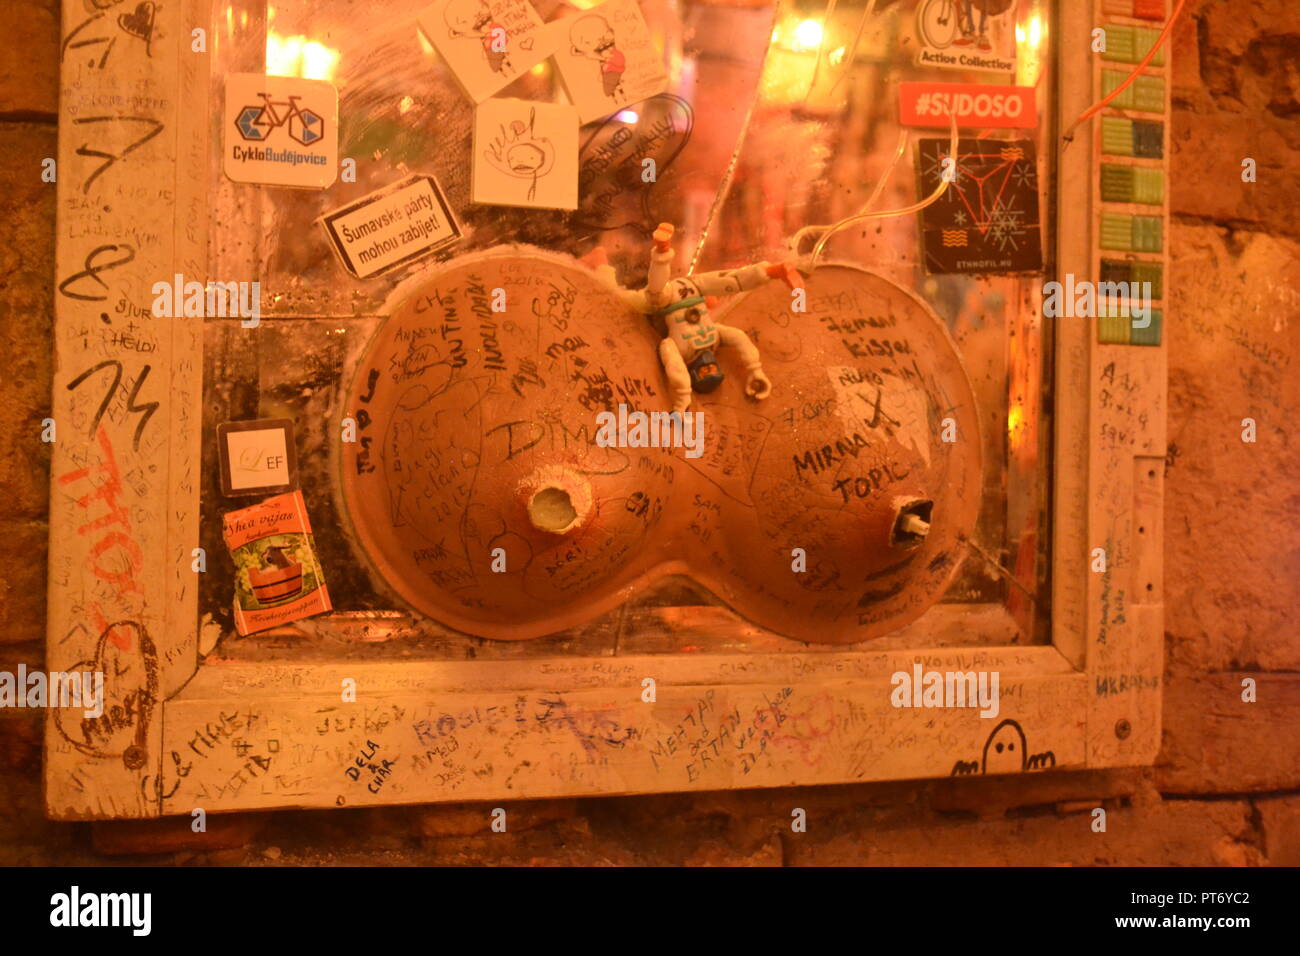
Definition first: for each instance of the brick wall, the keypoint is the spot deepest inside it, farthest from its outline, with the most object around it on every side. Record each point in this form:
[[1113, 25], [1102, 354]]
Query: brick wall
[[1226, 788]]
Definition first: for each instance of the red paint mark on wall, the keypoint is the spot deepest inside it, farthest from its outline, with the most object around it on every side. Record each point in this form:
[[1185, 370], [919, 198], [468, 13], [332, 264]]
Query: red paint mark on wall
[[807, 731], [115, 556]]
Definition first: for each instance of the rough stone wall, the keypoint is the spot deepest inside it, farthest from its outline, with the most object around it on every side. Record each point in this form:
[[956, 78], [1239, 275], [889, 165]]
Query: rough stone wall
[[1226, 788]]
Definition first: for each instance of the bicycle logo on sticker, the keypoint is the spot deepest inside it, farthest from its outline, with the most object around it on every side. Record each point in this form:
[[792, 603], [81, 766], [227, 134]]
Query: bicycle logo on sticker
[[255, 123]]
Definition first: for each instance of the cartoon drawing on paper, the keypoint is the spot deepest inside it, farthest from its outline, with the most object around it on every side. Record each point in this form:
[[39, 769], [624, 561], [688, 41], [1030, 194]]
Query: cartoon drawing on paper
[[520, 152], [486, 44], [606, 57], [472, 19], [526, 154], [592, 37]]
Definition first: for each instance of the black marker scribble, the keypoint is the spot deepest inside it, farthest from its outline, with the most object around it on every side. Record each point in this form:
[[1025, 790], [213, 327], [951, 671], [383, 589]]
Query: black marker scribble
[[139, 24], [518, 151], [111, 158], [131, 681], [69, 45], [148, 408], [93, 270]]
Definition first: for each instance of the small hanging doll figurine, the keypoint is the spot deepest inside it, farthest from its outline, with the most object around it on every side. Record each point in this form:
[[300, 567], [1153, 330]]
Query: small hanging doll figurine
[[680, 308]]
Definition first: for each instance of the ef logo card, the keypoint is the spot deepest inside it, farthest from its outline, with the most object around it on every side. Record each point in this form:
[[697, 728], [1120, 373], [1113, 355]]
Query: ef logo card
[[280, 131], [257, 457]]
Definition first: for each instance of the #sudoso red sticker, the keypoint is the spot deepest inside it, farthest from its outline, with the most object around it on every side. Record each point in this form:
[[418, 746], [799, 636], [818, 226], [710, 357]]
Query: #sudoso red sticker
[[975, 105]]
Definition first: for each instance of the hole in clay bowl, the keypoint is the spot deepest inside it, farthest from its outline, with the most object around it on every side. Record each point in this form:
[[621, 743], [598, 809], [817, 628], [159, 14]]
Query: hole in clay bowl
[[551, 510], [912, 524]]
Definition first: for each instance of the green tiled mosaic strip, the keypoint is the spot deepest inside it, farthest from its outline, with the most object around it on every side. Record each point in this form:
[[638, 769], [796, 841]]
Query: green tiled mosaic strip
[[1135, 270], [1130, 44], [1146, 93], [1132, 184], [1127, 233], [1115, 329], [1141, 9], [1125, 137]]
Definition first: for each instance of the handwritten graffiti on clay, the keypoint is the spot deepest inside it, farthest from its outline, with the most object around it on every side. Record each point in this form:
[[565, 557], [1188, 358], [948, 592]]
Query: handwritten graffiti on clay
[[478, 488], [1005, 751]]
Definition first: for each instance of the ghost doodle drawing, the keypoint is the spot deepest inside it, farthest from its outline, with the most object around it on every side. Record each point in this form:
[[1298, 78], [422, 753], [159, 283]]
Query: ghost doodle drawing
[[1005, 752], [592, 37]]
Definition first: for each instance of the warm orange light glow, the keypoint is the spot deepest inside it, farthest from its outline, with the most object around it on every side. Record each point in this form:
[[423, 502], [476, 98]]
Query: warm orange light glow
[[1030, 37], [298, 56], [807, 35], [1031, 34], [787, 76], [318, 61], [283, 55], [425, 45], [1015, 419]]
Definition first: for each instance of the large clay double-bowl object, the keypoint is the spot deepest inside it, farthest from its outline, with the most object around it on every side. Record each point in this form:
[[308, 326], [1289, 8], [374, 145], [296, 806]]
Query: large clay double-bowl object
[[833, 511]]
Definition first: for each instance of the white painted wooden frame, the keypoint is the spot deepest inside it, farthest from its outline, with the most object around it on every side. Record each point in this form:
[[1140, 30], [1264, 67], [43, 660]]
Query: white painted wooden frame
[[180, 734]]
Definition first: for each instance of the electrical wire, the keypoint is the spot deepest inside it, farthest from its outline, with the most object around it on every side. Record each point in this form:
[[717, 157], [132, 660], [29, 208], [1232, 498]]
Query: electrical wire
[[797, 239], [1097, 107], [821, 47], [853, 50], [884, 213], [997, 566]]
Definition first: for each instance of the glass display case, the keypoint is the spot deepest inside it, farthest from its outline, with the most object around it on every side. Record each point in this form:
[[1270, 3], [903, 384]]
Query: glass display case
[[774, 120], [892, 195]]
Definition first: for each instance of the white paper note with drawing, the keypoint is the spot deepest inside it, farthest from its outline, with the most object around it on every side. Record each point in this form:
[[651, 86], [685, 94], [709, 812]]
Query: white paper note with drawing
[[526, 154], [487, 44], [606, 58]]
